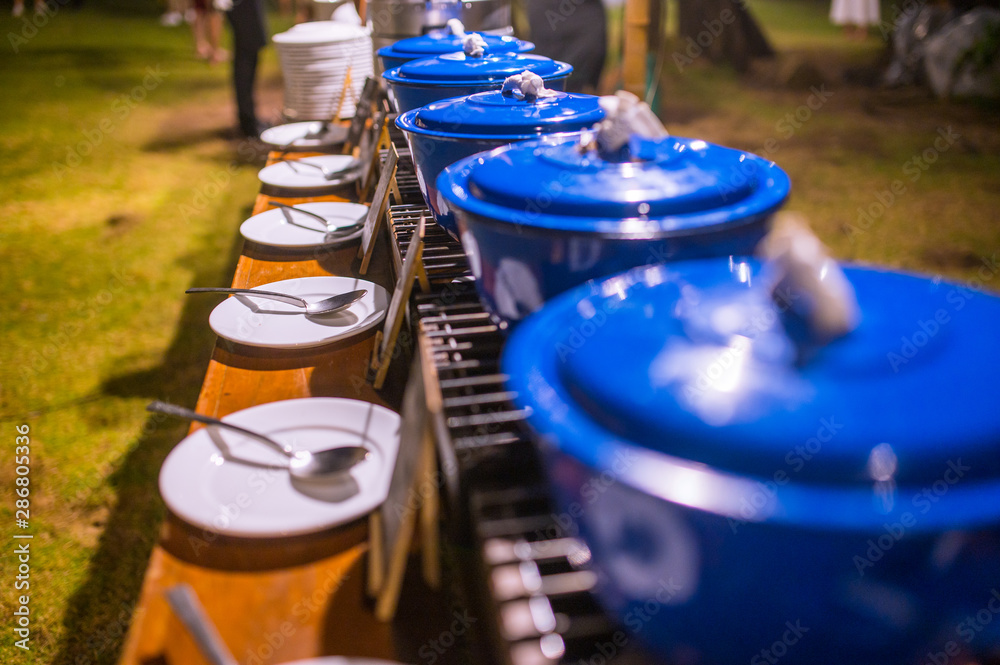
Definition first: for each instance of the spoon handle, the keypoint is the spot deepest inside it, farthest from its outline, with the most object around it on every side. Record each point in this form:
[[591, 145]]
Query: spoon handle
[[267, 295], [295, 163], [189, 610], [180, 412], [285, 206]]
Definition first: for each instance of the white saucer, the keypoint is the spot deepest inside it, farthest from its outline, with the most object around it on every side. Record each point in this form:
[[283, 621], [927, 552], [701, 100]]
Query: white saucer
[[342, 660], [305, 177], [293, 133], [223, 482], [271, 228], [275, 325], [334, 33]]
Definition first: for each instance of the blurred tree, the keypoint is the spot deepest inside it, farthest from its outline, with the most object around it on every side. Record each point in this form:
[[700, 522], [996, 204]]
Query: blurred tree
[[722, 31]]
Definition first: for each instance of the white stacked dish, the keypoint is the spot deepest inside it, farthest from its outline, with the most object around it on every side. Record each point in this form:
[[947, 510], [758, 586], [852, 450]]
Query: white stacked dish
[[314, 60]]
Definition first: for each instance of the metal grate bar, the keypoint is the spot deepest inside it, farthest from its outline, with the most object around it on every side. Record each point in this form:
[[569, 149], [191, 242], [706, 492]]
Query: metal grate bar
[[484, 380], [537, 575]]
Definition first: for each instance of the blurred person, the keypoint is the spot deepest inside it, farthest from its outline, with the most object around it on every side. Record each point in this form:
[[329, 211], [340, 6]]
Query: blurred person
[[207, 29], [575, 32], [18, 10], [855, 16], [247, 20], [174, 15]]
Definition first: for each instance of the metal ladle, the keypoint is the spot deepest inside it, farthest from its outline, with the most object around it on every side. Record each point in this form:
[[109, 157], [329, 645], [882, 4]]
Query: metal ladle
[[325, 306], [302, 464]]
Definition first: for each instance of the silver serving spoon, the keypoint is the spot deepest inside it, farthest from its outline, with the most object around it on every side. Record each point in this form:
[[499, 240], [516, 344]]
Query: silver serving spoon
[[335, 232], [186, 606], [301, 463], [325, 306], [325, 127], [294, 165]]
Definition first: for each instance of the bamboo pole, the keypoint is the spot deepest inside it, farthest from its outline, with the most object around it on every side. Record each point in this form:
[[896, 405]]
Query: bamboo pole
[[636, 45]]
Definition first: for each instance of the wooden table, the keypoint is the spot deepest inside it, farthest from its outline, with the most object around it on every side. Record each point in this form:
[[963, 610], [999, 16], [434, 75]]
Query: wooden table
[[281, 599]]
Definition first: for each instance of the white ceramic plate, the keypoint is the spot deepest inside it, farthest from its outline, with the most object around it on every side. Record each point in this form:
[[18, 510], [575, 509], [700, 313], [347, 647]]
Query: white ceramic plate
[[342, 660], [293, 111], [303, 76], [283, 135], [333, 34], [275, 325], [300, 176], [223, 482], [271, 228], [346, 49]]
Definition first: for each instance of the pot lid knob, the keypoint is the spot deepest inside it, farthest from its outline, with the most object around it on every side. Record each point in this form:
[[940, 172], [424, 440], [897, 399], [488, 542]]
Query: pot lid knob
[[474, 45], [817, 303], [526, 85], [628, 124], [456, 27]]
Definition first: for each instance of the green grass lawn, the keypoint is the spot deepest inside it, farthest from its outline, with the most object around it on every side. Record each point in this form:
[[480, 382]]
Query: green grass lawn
[[108, 125], [845, 144], [120, 192]]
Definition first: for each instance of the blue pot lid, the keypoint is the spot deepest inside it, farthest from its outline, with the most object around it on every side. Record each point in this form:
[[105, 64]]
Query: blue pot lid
[[677, 185], [496, 115], [439, 43], [460, 69], [690, 360]]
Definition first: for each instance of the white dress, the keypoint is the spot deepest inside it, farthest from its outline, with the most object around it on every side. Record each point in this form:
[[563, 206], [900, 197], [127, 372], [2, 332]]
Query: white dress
[[855, 12]]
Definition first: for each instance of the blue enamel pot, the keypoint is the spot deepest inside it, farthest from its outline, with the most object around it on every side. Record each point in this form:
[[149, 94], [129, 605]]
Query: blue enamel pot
[[441, 42], [444, 132], [743, 507], [421, 82], [539, 217]]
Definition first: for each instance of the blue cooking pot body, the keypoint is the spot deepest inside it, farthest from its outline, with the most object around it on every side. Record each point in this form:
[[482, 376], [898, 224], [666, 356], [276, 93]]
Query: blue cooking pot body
[[524, 249], [740, 507], [421, 82], [518, 269], [439, 43], [444, 132], [714, 590], [431, 155]]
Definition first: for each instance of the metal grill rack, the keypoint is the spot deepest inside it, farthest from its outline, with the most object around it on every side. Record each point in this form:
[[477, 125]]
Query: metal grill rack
[[444, 260], [533, 577]]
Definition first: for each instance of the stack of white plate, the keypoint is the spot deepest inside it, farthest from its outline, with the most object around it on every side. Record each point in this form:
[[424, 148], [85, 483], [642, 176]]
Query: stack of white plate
[[314, 59]]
